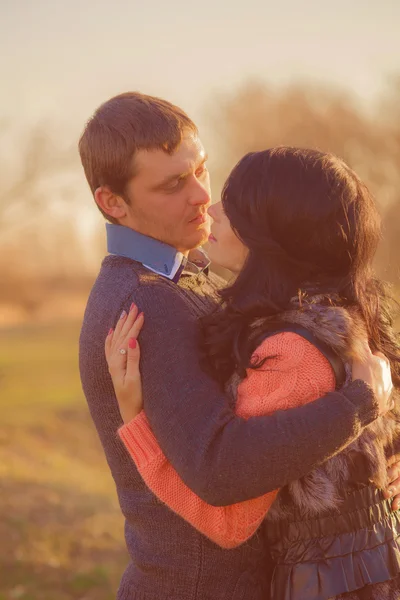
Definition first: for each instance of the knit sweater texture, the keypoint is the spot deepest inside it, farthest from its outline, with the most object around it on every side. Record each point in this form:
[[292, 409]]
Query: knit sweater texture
[[219, 455], [297, 374]]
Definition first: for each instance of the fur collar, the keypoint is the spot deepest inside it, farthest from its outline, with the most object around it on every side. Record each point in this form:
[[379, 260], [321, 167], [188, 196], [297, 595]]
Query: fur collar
[[340, 328], [364, 460]]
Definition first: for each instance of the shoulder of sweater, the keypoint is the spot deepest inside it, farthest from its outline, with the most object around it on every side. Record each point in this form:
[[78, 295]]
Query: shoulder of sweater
[[131, 274], [144, 277], [153, 293]]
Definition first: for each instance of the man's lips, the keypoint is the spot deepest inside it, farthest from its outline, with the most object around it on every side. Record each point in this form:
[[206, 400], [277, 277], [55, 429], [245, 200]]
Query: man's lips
[[199, 220]]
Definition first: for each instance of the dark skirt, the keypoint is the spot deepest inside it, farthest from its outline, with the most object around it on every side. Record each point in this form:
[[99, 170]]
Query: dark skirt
[[390, 590], [347, 554]]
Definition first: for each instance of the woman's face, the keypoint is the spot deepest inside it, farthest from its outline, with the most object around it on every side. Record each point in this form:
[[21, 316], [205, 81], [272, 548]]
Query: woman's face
[[225, 248]]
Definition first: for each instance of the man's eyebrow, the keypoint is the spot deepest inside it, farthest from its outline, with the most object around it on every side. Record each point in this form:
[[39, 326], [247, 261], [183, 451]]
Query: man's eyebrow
[[170, 178], [181, 175]]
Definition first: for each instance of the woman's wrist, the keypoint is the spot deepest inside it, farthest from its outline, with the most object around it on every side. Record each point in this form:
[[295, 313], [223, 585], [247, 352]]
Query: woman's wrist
[[139, 440], [128, 412]]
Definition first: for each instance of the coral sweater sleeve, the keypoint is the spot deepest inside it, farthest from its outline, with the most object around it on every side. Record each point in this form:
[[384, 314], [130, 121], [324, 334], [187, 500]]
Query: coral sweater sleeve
[[296, 373]]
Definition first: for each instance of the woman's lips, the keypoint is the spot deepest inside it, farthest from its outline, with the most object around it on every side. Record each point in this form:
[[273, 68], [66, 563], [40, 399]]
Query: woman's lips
[[211, 238]]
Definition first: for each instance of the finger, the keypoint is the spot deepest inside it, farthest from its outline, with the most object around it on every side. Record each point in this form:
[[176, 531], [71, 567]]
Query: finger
[[118, 328], [117, 364], [393, 472], [107, 344], [393, 488], [133, 332], [136, 327], [121, 339], [129, 321], [132, 368], [396, 502]]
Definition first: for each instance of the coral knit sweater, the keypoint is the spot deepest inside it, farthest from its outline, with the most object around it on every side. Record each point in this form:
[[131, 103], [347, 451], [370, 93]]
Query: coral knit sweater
[[297, 374]]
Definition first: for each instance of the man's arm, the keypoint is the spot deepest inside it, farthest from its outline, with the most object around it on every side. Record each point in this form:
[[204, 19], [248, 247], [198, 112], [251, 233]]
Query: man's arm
[[221, 457], [261, 393]]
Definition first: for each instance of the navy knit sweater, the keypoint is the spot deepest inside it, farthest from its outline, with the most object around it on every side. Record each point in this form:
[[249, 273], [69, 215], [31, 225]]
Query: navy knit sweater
[[221, 457]]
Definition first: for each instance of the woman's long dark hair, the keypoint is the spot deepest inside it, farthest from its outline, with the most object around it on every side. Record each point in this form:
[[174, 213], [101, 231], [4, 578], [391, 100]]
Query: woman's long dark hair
[[310, 225]]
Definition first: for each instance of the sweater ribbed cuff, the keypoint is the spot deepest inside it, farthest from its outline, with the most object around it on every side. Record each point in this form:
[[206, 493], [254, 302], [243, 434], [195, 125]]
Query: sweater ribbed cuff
[[139, 440], [361, 395]]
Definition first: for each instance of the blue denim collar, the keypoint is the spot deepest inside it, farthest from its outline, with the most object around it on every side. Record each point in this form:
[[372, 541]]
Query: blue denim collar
[[153, 254]]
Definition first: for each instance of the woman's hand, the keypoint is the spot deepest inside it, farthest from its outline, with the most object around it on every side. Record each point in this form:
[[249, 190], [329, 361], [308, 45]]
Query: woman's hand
[[394, 481], [374, 369], [123, 354]]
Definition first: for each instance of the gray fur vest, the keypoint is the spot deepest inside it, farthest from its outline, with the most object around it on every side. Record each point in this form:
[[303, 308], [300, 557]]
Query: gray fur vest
[[331, 533], [363, 461]]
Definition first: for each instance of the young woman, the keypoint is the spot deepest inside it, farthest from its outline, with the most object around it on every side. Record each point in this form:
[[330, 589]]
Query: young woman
[[300, 231]]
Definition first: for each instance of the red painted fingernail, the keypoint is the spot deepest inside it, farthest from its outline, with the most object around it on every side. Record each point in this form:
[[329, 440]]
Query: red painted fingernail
[[132, 306], [132, 343], [140, 315], [111, 330]]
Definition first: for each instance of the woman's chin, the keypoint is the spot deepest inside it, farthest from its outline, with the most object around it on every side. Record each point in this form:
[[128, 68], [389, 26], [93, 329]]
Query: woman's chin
[[215, 256], [212, 252]]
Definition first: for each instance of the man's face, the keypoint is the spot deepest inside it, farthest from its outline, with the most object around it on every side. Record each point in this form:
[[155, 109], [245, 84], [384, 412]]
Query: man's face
[[169, 195]]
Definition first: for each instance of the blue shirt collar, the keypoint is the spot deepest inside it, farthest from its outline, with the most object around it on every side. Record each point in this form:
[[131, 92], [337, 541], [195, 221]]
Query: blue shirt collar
[[153, 254]]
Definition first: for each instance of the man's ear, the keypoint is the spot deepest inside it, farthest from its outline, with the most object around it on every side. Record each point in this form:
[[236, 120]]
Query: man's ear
[[110, 203]]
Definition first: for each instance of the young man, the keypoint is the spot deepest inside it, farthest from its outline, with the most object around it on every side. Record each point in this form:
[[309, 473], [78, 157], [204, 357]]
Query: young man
[[146, 167]]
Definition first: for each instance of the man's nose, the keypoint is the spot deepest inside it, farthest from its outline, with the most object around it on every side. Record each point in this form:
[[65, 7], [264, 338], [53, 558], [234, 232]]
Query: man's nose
[[200, 194]]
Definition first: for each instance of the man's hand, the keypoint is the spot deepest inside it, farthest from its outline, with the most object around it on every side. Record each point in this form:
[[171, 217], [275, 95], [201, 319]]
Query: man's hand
[[393, 490], [374, 369]]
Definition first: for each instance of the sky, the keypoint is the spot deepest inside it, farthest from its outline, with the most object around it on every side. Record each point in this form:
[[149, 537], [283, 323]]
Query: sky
[[60, 59]]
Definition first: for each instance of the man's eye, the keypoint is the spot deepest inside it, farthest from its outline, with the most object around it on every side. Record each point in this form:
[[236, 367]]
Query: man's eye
[[174, 186]]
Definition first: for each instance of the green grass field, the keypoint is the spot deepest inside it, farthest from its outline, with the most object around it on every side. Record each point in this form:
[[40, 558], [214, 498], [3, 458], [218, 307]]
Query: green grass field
[[60, 525], [61, 530]]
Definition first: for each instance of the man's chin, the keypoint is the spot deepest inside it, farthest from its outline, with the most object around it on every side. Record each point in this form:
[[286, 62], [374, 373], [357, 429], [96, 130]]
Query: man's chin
[[198, 239]]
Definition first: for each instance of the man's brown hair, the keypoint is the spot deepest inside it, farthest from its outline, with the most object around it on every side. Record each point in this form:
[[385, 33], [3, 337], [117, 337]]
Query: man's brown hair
[[122, 126]]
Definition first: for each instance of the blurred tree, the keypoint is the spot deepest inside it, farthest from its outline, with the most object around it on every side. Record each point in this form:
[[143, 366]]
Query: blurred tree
[[38, 158], [39, 241], [255, 117]]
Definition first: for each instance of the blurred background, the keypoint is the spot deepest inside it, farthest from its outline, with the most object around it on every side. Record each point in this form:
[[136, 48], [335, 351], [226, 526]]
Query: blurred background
[[252, 75]]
